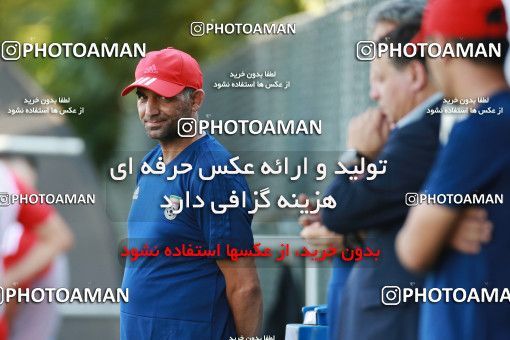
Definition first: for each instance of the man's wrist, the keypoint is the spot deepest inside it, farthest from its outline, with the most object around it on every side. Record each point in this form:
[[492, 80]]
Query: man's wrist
[[353, 156]]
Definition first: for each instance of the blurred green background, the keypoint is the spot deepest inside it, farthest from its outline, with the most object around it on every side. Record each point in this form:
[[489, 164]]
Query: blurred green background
[[95, 83]]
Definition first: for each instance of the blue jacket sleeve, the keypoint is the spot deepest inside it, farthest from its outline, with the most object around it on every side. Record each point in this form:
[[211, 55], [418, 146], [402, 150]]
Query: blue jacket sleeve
[[380, 203]]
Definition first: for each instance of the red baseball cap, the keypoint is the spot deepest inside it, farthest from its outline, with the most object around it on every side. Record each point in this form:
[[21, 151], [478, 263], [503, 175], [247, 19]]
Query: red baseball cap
[[466, 19], [166, 72]]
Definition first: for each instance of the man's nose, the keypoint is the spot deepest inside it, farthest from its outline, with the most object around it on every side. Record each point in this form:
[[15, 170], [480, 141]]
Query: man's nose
[[374, 93], [152, 107]]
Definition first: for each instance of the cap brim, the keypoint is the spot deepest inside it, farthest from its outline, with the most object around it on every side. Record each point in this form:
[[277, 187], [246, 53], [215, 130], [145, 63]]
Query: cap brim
[[160, 87]]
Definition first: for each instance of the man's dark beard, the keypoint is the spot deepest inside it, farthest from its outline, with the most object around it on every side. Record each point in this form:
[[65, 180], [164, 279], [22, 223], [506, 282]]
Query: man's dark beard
[[170, 132]]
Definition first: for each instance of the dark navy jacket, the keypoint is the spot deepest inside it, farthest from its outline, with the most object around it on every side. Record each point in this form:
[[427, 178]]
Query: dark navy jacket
[[378, 208]]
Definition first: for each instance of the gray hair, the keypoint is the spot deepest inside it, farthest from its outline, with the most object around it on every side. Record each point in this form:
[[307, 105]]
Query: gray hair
[[186, 93], [395, 11]]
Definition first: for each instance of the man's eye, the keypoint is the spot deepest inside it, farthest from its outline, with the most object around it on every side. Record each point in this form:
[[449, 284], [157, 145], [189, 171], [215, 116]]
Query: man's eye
[[166, 99], [141, 96]]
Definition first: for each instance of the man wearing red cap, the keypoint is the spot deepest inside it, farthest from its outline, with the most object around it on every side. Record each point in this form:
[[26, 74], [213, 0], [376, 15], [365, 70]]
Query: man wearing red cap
[[475, 161], [185, 297]]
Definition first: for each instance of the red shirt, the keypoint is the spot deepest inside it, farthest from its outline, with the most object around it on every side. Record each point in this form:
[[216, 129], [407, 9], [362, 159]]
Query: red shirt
[[30, 216]]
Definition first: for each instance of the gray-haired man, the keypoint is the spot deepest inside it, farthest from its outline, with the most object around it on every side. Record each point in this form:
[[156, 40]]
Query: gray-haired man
[[397, 131]]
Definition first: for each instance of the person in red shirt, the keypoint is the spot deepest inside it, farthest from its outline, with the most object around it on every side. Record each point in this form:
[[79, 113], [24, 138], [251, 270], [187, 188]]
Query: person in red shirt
[[8, 218], [32, 252]]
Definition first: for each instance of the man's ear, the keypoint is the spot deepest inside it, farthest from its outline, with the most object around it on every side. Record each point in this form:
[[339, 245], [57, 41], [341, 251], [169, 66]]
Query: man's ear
[[419, 75], [197, 99]]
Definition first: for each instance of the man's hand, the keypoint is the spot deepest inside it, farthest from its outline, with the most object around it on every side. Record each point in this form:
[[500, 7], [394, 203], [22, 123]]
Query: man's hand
[[314, 232], [473, 229], [319, 237], [368, 132], [308, 219]]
